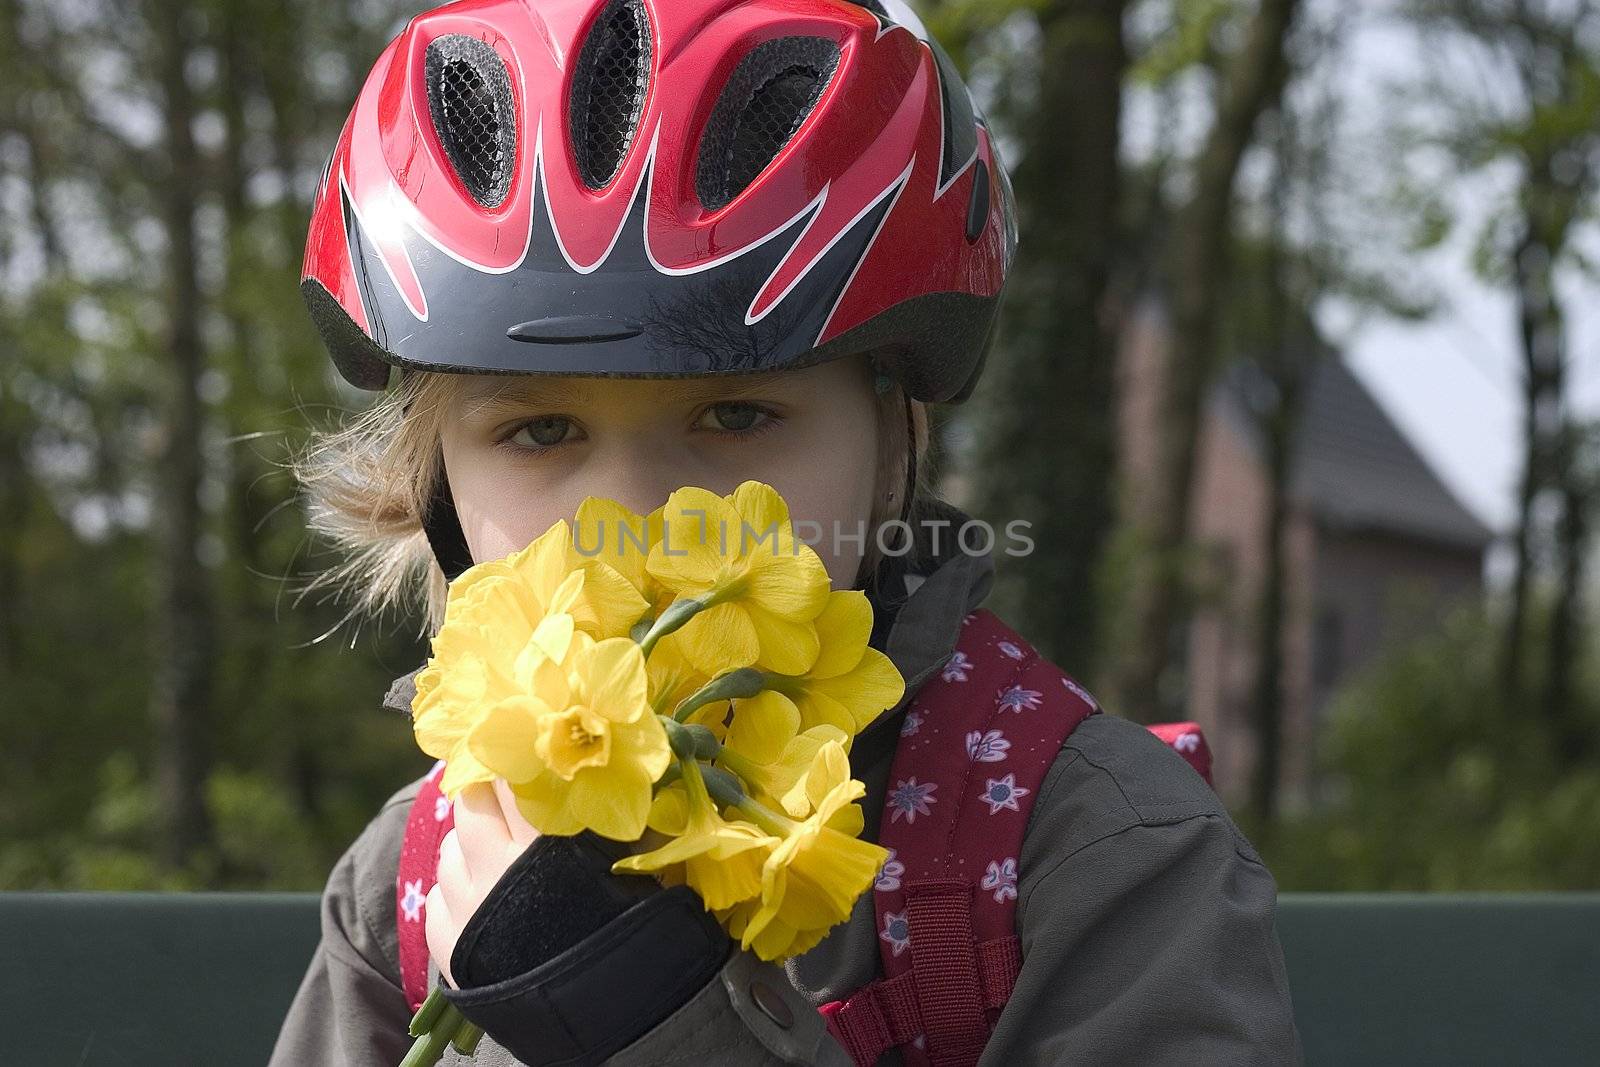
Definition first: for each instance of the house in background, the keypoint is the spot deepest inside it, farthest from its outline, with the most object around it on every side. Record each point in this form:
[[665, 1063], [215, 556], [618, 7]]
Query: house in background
[[1377, 549]]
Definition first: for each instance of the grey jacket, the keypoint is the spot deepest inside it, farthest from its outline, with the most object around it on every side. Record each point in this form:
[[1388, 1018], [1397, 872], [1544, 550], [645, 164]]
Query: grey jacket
[[1145, 916]]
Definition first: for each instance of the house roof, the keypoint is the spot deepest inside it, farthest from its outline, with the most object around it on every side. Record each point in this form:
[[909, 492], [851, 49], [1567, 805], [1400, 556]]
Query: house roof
[[1352, 466]]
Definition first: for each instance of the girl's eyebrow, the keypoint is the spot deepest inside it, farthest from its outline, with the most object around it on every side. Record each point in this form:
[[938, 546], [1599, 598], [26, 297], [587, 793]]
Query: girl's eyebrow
[[530, 393]]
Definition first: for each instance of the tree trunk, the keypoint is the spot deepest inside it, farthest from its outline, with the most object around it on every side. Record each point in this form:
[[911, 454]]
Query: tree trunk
[[184, 631], [1200, 237], [1285, 368], [1566, 623], [1047, 431]]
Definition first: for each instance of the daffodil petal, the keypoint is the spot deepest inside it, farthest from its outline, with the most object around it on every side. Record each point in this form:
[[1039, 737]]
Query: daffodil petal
[[794, 587], [820, 709], [614, 802], [719, 638], [728, 877], [763, 725], [503, 740], [874, 686], [787, 647], [844, 628], [462, 771], [669, 811], [610, 604], [696, 527], [760, 505], [616, 684]]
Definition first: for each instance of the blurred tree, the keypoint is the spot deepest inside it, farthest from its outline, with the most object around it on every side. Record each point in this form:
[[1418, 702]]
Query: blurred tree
[[1535, 106], [145, 414], [1249, 83], [1045, 410], [184, 649]]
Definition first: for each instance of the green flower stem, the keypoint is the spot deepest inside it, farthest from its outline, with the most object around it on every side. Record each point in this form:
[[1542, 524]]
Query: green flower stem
[[436, 1024], [744, 682], [429, 1048], [694, 783], [429, 1013], [765, 818], [467, 1038], [670, 775], [745, 768], [726, 789], [677, 613], [679, 737]]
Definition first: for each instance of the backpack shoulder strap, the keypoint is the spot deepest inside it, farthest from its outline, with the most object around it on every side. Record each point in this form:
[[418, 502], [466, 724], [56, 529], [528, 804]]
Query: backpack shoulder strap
[[975, 747], [430, 819], [1186, 740]]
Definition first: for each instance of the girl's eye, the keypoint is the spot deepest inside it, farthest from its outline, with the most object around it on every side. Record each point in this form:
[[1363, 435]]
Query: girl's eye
[[544, 432], [734, 417]]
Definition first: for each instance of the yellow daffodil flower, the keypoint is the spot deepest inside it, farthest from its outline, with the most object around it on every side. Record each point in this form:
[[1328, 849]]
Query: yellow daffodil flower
[[739, 556], [848, 686], [581, 748], [720, 860], [783, 781], [813, 876], [606, 532], [673, 678]]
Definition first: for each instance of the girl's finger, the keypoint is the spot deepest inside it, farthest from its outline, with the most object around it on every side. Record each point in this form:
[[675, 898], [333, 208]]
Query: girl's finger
[[440, 931], [522, 832], [455, 883], [483, 831]]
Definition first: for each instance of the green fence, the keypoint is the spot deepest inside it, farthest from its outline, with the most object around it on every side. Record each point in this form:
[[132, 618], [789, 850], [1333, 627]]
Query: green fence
[[107, 980]]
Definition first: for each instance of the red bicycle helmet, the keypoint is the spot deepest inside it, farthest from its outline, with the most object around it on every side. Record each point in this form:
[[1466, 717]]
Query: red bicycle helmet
[[653, 188]]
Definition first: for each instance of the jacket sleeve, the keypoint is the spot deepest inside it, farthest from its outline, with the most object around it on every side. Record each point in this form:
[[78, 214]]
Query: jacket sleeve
[[748, 1015], [350, 1010], [1146, 920]]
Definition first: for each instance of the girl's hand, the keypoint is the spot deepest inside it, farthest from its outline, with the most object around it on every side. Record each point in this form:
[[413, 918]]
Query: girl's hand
[[489, 834]]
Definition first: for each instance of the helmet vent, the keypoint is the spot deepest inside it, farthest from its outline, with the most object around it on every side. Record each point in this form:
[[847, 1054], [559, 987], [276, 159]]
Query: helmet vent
[[767, 98], [608, 90], [469, 99]]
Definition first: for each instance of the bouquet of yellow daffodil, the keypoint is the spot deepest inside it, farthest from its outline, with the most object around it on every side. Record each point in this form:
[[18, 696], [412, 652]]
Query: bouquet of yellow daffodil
[[690, 673]]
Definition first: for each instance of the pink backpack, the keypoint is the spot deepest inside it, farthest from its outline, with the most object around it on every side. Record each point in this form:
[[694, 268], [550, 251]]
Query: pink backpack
[[975, 746]]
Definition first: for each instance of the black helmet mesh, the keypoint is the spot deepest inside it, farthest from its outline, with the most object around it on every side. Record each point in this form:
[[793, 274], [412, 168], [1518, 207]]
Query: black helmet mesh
[[767, 97], [469, 99], [608, 90]]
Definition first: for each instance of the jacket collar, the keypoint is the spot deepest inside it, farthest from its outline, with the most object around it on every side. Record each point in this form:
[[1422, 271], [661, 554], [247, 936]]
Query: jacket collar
[[929, 603]]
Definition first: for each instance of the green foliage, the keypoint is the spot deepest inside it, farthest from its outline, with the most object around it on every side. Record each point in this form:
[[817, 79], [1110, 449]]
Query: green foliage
[[1443, 787], [299, 754], [1188, 39]]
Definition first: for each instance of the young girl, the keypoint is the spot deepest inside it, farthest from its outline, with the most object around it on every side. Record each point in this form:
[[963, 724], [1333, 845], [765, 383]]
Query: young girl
[[616, 247]]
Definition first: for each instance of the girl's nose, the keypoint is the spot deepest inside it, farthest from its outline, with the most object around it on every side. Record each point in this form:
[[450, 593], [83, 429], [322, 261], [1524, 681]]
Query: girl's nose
[[640, 473]]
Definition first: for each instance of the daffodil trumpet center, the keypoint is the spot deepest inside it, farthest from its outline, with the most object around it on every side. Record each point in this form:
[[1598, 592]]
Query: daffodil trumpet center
[[744, 682], [573, 739]]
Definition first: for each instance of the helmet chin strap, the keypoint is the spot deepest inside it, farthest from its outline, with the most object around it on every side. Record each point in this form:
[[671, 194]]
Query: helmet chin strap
[[442, 526]]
